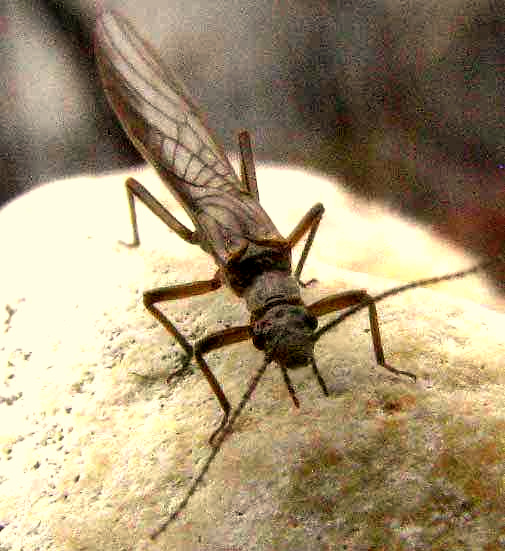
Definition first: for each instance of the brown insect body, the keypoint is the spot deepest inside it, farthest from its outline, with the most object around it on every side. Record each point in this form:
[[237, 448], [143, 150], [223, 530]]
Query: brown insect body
[[253, 258]]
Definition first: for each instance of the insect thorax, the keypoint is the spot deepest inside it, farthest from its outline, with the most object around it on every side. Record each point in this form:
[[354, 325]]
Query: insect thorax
[[271, 287], [259, 273]]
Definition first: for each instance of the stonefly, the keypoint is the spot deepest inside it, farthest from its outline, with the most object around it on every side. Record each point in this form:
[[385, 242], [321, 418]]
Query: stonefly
[[253, 259]]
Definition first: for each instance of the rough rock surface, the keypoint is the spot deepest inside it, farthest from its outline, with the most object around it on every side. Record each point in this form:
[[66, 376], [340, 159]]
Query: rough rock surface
[[96, 449]]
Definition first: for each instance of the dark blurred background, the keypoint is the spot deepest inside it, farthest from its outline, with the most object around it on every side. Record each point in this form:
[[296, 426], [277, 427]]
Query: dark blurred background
[[405, 101]]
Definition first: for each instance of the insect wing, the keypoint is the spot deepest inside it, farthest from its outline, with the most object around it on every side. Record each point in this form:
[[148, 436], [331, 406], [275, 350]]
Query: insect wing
[[157, 112], [163, 123]]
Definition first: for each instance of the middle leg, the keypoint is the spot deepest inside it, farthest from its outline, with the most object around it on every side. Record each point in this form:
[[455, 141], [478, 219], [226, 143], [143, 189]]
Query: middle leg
[[310, 222]]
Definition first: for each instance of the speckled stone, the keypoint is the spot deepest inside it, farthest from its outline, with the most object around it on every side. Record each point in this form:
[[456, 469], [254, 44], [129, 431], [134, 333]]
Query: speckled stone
[[96, 449]]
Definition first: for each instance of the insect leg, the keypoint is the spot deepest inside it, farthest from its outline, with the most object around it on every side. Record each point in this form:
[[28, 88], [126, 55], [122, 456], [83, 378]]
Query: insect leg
[[351, 298], [309, 222], [247, 170], [135, 189], [217, 340], [173, 292]]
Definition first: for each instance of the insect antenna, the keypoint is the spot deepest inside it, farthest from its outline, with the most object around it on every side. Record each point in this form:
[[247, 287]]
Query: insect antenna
[[397, 290], [215, 450]]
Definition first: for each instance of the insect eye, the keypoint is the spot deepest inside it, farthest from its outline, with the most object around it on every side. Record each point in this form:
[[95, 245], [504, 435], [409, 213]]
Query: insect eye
[[260, 330], [261, 326], [311, 321], [280, 312], [299, 312], [307, 319]]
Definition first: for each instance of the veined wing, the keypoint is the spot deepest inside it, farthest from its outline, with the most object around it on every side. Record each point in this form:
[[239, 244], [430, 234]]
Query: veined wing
[[156, 111], [163, 123]]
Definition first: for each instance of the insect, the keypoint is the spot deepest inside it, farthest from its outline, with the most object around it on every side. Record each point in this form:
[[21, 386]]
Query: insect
[[253, 259], [255, 380]]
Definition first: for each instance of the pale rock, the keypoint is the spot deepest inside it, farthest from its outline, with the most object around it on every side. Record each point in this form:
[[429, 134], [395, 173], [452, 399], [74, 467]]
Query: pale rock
[[97, 450]]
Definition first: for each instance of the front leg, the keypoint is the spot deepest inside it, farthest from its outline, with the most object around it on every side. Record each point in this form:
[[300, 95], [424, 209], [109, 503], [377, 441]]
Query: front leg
[[172, 292], [347, 299], [217, 340]]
